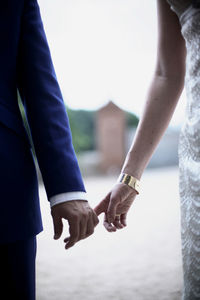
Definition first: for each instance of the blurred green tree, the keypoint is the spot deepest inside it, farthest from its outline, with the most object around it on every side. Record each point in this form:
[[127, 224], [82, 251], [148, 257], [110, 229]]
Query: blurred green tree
[[131, 120], [82, 123]]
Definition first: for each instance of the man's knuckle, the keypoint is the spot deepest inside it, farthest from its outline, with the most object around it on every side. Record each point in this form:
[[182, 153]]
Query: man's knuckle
[[84, 215], [75, 217]]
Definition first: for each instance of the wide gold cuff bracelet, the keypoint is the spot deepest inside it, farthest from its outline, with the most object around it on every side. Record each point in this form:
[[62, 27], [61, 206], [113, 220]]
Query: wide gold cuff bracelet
[[131, 181]]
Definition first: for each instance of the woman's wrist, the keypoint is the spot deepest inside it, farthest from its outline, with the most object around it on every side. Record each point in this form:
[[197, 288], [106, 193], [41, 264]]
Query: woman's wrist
[[131, 167], [131, 181]]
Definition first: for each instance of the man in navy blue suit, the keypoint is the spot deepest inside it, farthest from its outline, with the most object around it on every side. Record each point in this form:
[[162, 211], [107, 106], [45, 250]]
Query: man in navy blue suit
[[26, 66]]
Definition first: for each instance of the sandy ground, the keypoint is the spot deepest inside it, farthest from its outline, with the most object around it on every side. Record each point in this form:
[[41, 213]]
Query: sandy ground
[[141, 262]]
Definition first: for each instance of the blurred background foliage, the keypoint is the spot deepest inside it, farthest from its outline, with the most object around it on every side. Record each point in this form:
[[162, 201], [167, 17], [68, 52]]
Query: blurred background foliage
[[82, 123]]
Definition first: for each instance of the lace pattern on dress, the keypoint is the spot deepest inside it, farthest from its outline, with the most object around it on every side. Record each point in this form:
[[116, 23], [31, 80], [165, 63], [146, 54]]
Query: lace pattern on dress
[[189, 158]]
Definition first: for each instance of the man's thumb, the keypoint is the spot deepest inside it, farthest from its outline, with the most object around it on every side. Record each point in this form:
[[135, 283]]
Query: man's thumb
[[58, 227]]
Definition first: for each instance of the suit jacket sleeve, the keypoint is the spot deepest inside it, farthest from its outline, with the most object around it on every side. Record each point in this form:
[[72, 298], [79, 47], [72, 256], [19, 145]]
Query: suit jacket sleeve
[[44, 107]]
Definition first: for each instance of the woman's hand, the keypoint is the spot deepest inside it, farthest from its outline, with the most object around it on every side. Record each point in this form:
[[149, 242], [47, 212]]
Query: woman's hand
[[115, 206]]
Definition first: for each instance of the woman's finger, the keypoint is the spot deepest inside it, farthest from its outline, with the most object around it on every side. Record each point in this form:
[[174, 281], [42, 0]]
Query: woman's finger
[[103, 205], [123, 218], [112, 208], [117, 222], [109, 227]]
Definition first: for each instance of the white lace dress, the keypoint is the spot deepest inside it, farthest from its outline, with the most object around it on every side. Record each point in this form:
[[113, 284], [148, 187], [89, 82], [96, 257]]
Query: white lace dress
[[189, 149]]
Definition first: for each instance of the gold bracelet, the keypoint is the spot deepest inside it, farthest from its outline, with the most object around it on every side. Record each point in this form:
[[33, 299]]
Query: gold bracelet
[[131, 181]]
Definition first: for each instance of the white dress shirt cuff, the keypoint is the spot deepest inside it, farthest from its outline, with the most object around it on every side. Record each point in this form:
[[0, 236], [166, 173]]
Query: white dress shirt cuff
[[69, 196]]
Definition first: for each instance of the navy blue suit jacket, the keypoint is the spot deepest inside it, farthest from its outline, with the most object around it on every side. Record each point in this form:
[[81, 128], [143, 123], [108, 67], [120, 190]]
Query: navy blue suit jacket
[[26, 66]]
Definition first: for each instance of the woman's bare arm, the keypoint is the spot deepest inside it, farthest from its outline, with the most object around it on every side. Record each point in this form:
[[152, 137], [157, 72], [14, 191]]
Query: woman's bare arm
[[163, 93], [161, 100]]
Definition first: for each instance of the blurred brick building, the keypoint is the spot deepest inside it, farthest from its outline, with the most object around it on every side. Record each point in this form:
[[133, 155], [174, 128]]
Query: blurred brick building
[[111, 128], [113, 140]]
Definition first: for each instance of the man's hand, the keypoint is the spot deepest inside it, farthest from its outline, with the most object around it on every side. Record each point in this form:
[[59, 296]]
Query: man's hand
[[115, 206], [80, 216]]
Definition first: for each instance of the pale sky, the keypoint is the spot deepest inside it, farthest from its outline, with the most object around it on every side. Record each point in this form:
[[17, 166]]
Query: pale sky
[[103, 50]]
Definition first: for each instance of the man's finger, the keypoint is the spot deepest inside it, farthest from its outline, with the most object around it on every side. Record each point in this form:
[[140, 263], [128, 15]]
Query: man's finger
[[90, 226], [58, 226], [74, 230], [69, 244], [83, 229], [95, 219]]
